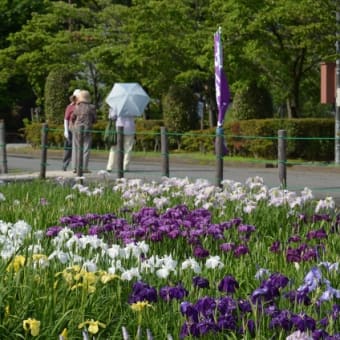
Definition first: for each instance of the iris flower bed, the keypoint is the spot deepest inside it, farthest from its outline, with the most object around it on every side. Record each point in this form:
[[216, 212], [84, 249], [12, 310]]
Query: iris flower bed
[[173, 259]]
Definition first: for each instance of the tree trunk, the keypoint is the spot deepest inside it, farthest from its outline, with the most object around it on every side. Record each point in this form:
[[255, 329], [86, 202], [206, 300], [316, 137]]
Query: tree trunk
[[291, 108]]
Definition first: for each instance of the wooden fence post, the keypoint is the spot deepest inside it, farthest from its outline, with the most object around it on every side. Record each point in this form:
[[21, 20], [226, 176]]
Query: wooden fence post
[[44, 132], [282, 134], [3, 155], [120, 150], [219, 157], [165, 152], [80, 152]]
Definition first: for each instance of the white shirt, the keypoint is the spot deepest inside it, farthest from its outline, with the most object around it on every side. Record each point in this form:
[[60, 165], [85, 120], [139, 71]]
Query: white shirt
[[128, 123]]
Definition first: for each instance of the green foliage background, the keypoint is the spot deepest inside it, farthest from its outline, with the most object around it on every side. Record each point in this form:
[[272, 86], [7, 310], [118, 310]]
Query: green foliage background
[[276, 45]]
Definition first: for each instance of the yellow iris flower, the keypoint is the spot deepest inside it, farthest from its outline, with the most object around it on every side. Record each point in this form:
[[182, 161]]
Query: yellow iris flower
[[93, 326], [32, 325]]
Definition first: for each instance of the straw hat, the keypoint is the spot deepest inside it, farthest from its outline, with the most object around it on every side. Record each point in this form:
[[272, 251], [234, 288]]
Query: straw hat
[[84, 96]]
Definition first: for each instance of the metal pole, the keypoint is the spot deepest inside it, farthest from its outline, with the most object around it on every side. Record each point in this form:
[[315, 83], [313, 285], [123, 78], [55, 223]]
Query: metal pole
[[337, 104], [165, 152], [282, 158], [3, 155], [44, 131], [219, 157]]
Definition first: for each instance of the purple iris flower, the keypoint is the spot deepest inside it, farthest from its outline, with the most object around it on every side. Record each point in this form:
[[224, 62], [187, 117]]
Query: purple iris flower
[[303, 322], [200, 282], [318, 234], [95, 230], [321, 217], [295, 238], [204, 327], [324, 322], [260, 294], [200, 252], [275, 247], [226, 225], [240, 250], [189, 311], [227, 322], [282, 321], [251, 327], [236, 221], [53, 231], [335, 311], [228, 284], [244, 306], [141, 291], [168, 293], [293, 255], [320, 334], [185, 330], [269, 288], [272, 311], [226, 247], [206, 306], [156, 236], [278, 280], [215, 231], [246, 228], [226, 305], [310, 254], [300, 297]]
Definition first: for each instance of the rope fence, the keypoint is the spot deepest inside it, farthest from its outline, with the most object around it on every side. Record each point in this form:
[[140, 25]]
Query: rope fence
[[161, 139]]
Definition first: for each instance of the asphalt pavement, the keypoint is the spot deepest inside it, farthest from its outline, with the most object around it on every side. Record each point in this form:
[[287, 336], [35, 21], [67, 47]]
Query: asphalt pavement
[[322, 180]]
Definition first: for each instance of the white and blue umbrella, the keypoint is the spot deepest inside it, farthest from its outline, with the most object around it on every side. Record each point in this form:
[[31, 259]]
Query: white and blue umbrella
[[128, 99]]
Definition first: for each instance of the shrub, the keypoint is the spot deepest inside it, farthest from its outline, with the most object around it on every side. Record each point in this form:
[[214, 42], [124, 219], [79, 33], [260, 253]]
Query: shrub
[[179, 110], [252, 102]]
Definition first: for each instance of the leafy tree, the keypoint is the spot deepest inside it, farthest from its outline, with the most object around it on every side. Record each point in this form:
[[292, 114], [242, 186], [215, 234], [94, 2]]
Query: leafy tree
[[283, 40]]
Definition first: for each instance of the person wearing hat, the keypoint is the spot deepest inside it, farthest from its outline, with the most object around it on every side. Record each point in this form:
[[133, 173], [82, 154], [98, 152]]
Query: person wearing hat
[[83, 116], [67, 131]]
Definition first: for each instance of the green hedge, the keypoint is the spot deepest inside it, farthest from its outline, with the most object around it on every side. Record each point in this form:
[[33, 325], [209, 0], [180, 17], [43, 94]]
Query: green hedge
[[306, 138]]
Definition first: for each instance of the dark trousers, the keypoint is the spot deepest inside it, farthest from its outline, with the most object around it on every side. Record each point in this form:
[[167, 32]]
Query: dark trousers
[[67, 151]]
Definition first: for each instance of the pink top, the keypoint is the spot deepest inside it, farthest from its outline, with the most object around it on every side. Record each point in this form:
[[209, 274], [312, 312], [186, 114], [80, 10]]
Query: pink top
[[69, 110]]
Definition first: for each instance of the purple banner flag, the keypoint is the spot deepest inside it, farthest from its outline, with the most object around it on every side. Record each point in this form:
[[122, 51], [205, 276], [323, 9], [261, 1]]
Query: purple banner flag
[[221, 83]]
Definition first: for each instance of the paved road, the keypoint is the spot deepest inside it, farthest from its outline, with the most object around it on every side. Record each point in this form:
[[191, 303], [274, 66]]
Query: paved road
[[323, 181]]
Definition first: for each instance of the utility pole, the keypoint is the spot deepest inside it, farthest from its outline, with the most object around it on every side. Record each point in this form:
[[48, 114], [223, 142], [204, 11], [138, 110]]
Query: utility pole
[[337, 99]]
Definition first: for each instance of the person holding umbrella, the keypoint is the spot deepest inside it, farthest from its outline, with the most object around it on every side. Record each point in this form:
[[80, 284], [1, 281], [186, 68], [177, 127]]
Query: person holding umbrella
[[129, 126], [127, 101]]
